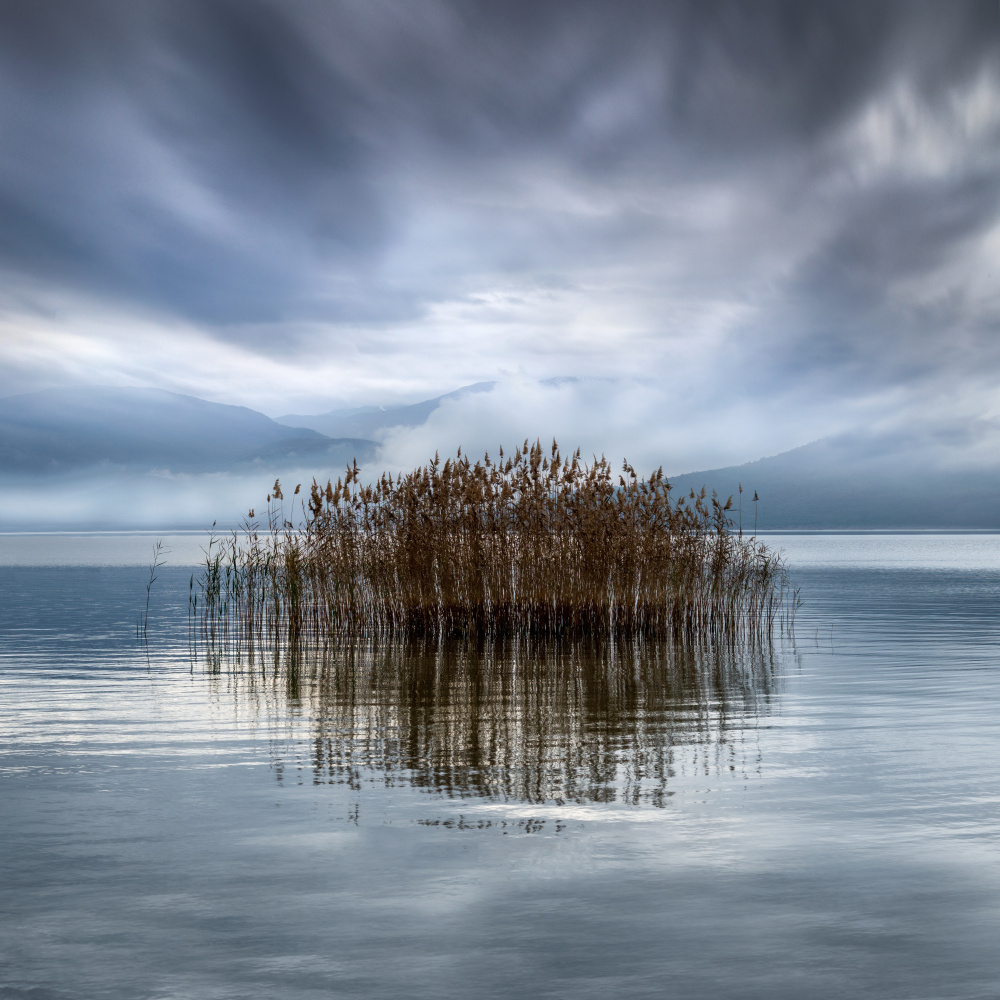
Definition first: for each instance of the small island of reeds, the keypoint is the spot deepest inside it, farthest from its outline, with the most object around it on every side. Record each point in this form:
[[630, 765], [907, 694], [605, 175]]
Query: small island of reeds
[[528, 544]]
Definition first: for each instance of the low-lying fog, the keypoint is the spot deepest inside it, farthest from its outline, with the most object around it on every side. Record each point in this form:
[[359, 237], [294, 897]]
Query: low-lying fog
[[114, 459]]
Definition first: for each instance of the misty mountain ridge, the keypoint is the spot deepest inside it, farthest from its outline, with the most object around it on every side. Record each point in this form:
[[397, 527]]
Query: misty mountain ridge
[[161, 449], [903, 479], [64, 430], [370, 421]]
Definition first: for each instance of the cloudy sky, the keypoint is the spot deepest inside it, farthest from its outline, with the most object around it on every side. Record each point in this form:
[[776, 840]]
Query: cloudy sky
[[744, 224]]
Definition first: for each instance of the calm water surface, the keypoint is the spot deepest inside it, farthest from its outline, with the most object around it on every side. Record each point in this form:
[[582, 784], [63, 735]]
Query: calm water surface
[[819, 821]]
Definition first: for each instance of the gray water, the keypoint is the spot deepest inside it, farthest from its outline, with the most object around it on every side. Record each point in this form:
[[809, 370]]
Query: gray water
[[818, 820]]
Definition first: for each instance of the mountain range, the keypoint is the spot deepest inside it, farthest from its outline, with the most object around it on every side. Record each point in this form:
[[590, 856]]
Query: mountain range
[[66, 430], [142, 454], [858, 481], [370, 421]]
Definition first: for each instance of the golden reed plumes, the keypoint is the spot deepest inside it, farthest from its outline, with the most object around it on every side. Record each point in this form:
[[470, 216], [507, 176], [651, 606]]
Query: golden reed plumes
[[530, 544]]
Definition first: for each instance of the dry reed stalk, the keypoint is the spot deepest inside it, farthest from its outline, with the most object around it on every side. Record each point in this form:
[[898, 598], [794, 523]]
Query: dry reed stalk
[[532, 544]]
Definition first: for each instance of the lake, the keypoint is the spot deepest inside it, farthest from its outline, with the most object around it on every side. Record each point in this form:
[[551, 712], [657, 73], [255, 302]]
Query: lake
[[818, 819]]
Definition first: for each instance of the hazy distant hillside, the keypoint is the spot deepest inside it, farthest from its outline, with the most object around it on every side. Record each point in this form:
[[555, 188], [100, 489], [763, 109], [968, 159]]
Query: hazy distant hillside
[[855, 481], [70, 429], [136, 457], [369, 421]]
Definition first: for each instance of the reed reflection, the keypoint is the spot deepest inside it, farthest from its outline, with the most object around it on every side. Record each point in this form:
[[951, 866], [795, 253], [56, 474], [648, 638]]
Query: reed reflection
[[557, 722]]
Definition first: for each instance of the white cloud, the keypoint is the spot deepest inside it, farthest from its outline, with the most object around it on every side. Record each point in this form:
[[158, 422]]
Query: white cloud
[[898, 133], [649, 423]]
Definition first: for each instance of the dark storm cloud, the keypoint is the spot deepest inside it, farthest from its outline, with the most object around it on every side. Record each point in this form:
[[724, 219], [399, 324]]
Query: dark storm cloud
[[238, 161], [197, 157], [837, 315], [730, 78]]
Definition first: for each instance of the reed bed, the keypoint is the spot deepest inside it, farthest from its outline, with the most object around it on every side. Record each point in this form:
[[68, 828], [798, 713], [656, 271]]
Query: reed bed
[[528, 544]]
